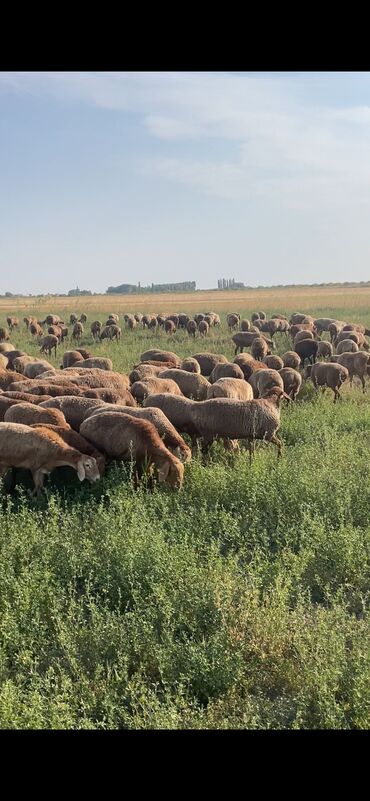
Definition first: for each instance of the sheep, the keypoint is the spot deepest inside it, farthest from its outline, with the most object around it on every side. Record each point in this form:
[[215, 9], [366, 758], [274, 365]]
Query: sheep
[[322, 324], [51, 319], [124, 397], [35, 368], [56, 331], [307, 349], [142, 371], [49, 343], [6, 347], [86, 354], [191, 365], [191, 328], [296, 329], [51, 389], [72, 319], [95, 329], [114, 317], [138, 317], [334, 329], [259, 349], [161, 356], [25, 447], [153, 385], [255, 316], [245, 325], [83, 318], [248, 365], [279, 317], [125, 438], [8, 377], [347, 346], [4, 334], [357, 364], [131, 323], [183, 320], [97, 361], [228, 370], [233, 419], [77, 331], [71, 357], [271, 327], [20, 362], [28, 413], [169, 327], [263, 380], [152, 363], [74, 409], [244, 339], [297, 317], [291, 359], [353, 327], [354, 335], [192, 385], [153, 323], [303, 335], [203, 328], [232, 321], [198, 317], [12, 322], [94, 378], [5, 404], [35, 329], [177, 410], [292, 381], [171, 438], [3, 362], [208, 361], [25, 397], [324, 349], [230, 388], [74, 440], [327, 375], [273, 362]]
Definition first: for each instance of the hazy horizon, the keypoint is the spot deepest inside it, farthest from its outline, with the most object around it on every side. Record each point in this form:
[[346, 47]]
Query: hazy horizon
[[110, 178]]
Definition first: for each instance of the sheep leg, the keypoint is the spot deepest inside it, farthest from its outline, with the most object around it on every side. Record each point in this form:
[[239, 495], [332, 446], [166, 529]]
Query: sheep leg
[[276, 441], [363, 383], [38, 480]]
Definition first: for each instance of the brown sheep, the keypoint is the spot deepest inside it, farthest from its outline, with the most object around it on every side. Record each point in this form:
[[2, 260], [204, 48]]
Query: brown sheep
[[263, 380], [327, 374], [233, 321], [230, 388], [48, 344], [248, 365], [5, 404], [203, 328], [292, 380], [77, 331], [325, 349], [244, 339], [191, 365], [291, 359], [74, 409], [151, 386], [161, 356], [192, 385], [29, 413], [208, 361], [245, 325], [273, 362], [347, 346], [25, 397], [124, 397], [12, 322], [307, 349], [228, 370], [95, 329], [169, 327], [259, 349], [70, 358], [191, 328], [35, 329], [4, 334], [357, 364], [8, 377], [74, 440]]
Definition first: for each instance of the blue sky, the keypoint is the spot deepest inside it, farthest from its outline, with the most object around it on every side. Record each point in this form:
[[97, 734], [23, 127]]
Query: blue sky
[[124, 177]]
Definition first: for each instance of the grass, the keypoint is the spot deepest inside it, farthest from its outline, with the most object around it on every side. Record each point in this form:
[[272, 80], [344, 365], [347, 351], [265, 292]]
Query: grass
[[240, 602]]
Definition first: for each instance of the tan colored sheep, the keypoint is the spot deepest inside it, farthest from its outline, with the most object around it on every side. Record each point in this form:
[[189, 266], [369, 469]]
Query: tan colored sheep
[[230, 388]]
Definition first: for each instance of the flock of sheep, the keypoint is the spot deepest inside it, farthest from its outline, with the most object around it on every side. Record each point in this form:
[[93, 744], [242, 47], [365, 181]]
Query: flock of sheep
[[84, 414]]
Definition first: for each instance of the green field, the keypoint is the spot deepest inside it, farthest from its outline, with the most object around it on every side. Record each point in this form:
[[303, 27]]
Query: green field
[[241, 601]]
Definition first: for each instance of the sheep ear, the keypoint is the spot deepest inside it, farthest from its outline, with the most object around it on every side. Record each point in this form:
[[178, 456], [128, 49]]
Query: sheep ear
[[80, 470], [163, 471]]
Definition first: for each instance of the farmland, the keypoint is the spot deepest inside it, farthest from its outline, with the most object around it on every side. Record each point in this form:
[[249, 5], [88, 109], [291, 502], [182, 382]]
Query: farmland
[[241, 601]]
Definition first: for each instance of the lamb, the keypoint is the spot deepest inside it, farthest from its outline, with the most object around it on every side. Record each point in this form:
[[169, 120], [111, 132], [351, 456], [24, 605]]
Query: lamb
[[191, 365], [169, 327], [74, 409], [97, 361], [228, 370], [244, 339], [357, 364], [291, 359], [230, 388], [208, 361], [307, 349], [161, 356], [233, 320], [292, 381], [77, 331], [233, 419], [74, 440], [191, 328], [29, 413], [49, 343], [95, 329], [347, 346], [192, 385], [327, 375], [71, 357], [151, 386], [259, 349], [325, 349], [23, 446], [166, 430], [203, 328], [273, 362], [263, 380], [248, 365], [124, 438]]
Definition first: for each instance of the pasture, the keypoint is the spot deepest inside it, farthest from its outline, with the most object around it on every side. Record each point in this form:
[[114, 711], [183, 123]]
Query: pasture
[[240, 601]]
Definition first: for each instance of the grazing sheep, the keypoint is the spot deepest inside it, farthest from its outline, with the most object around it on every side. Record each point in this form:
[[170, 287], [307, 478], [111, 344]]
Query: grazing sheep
[[303, 335], [325, 349], [4, 334], [353, 327], [35, 330], [6, 347], [191, 328], [192, 385], [83, 318], [191, 365], [12, 322], [74, 440], [49, 343], [263, 380], [166, 430], [161, 356], [56, 331], [198, 317], [244, 339], [123, 397], [23, 446], [73, 319], [233, 419], [233, 321], [97, 361], [77, 331], [142, 371], [271, 327], [327, 375], [169, 327], [74, 409], [322, 324], [228, 370], [35, 368], [357, 364], [291, 359], [292, 381], [297, 317], [95, 329], [51, 389], [203, 328], [307, 349], [71, 357], [153, 386], [131, 322], [355, 336], [248, 365], [259, 349], [114, 317], [5, 404], [208, 361], [138, 317], [245, 325], [177, 410], [127, 438], [230, 388], [20, 362], [86, 354], [29, 413], [335, 329], [94, 378], [153, 323], [347, 346], [3, 362], [8, 377], [25, 397], [296, 329], [273, 362]]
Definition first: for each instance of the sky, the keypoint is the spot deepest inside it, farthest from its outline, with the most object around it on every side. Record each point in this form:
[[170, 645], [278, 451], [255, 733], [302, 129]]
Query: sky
[[110, 178]]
